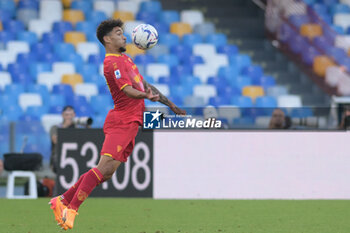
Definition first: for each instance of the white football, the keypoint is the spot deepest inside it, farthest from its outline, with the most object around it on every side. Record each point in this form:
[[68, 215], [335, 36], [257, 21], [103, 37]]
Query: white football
[[144, 36]]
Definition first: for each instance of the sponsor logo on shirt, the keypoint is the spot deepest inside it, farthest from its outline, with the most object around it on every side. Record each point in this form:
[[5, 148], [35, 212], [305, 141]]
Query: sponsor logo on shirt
[[117, 74]]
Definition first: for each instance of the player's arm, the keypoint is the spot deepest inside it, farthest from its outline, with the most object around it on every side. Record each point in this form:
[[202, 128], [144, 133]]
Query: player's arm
[[163, 99], [136, 94]]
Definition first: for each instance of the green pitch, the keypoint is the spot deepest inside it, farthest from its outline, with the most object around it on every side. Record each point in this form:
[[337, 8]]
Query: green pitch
[[120, 215]]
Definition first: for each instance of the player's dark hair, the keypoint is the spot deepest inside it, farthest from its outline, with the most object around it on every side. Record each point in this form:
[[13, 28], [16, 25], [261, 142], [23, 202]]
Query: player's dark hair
[[68, 107], [106, 27]]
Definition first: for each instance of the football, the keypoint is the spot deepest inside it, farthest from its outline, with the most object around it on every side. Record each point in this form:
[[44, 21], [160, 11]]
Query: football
[[144, 36]]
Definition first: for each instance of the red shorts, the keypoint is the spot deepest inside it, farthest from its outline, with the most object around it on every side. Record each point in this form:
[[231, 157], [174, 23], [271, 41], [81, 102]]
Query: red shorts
[[119, 138]]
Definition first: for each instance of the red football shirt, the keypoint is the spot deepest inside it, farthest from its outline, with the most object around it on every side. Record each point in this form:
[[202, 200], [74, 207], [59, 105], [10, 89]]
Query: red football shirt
[[120, 71]]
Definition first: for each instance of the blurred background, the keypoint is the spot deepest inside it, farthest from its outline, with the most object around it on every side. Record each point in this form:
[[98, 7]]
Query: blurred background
[[241, 58]]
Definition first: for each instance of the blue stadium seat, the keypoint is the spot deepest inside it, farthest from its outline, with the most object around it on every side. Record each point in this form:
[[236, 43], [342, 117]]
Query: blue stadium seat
[[182, 51], [265, 105], [309, 54], [99, 102], [13, 90], [86, 27], [337, 53], [29, 37], [84, 110], [169, 39], [297, 43], [253, 71], [36, 111], [267, 81], [218, 100], [49, 58], [229, 50], [148, 79], [329, 2], [103, 90], [6, 36], [16, 68], [144, 59], [52, 38], [228, 72], [192, 60], [154, 7], [218, 39], [169, 17], [181, 90], [147, 17], [63, 50], [240, 82], [23, 79], [240, 60], [169, 80], [1, 69], [162, 28], [339, 8], [8, 6], [218, 82], [25, 58], [56, 100], [40, 89], [76, 100], [228, 92], [96, 59], [74, 58], [98, 121], [57, 109], [243, 122], [25, 118], [40, 49], [13, 26], [88, 70], [169, 59], [12, 112], [63, 89], [191, 39], [37, 67], [96, 17], [189, 80], [84, 6], [62, 27], [97, 79], [320, 8], [28, 4], [8, 99], [242, 101], [181, 70], [178, 101]]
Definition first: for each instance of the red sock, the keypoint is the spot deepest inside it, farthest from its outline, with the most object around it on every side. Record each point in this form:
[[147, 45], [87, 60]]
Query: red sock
[[67, 197], [91, 179]]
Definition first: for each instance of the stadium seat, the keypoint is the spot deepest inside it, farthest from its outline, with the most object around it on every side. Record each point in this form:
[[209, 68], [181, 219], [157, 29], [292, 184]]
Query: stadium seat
[[242, 101], [51, 11], [147, 17], [240, 82], [132, 50], [73, 16], [12, 112], [7, 57], [333, 75], [124, 15], [49, 79], [228, 112], [216, 61], [158, 50], [63, 50], [253, 71], [37, 67], [311, 30], [49, 120], [191, 39], [241, 61], [29, 99], [26, 15], [204, 29], [29, 37], [61, 68], [36, 112], [204, 50], [74, 38], [192, 17], [106, 6], [339, 8], [5, 79], [52, 38], [169, 17], [169, 39], [180, 29], [17, 47], [228, 72], [144, 59], [266, 104], [192, 60], [86, 89], [169, 59], [88, 70], [72, 79], [56, 100], [129, 26], [289, 101], [203, 71], [39, 89], [194, 101], [130, 6], [154, 7], [342, 20], [63, 89], [6, 36], [157, 70], [302, 112], [98, 103], [23, 78], [182, 51], [205, 91], [218, 39], [320, 65], [96, 17], [84, 6], [253, 91], [13, 26], [218, 100]]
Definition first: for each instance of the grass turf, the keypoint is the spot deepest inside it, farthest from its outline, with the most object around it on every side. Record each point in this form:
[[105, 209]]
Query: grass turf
[[112, 215]]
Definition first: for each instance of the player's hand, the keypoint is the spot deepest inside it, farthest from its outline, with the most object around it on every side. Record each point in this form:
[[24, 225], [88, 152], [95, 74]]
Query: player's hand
[[177, 110], [150, 95]]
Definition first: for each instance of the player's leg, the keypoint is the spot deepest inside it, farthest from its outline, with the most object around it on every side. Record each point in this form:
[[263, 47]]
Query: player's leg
[[104, 171]]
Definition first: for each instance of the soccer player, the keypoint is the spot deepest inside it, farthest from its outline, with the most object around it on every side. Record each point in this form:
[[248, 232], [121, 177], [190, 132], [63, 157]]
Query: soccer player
[[128, 90]]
